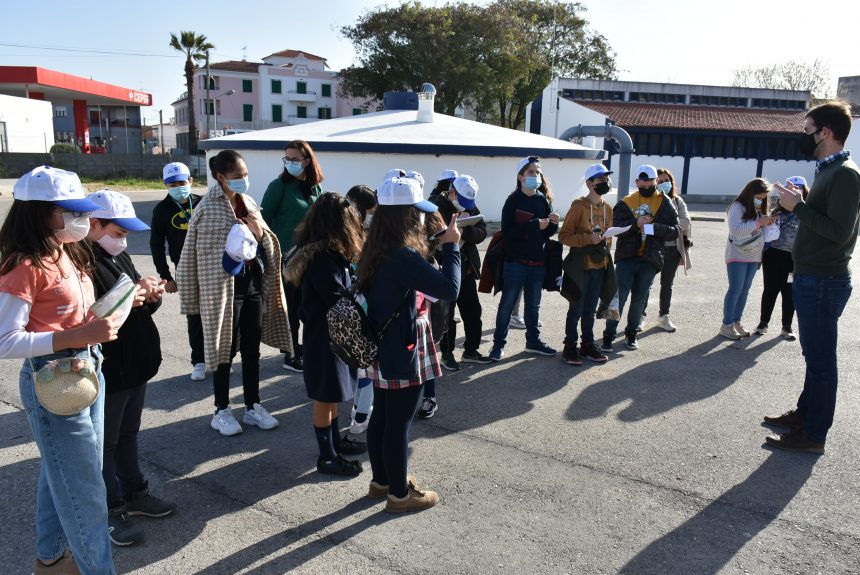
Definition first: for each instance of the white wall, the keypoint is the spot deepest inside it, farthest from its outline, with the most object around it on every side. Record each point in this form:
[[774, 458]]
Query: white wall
[[29, 124], [719, 176], [779, 170], [853, 141], [554, 122], [496, 176]]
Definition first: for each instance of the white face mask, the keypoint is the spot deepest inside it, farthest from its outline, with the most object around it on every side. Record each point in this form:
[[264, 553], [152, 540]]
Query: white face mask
[[74, 229], [113, 246], [421, 217]]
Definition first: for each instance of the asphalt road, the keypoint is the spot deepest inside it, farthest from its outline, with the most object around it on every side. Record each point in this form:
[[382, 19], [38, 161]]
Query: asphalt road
[[651, 463]]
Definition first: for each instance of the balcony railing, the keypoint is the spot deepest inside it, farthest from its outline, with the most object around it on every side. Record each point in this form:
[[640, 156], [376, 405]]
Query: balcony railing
[[293, 120], [296, 96]]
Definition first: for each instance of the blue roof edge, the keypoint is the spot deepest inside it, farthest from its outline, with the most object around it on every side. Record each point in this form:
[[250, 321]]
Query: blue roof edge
[[434, 149]]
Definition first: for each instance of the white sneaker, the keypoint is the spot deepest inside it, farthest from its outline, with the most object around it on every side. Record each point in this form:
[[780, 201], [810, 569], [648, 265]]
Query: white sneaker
[[198, 373], [729, 332], [740, 329], [224, 422], [664, 324], [259, 417], [356, 428], [517, 322]]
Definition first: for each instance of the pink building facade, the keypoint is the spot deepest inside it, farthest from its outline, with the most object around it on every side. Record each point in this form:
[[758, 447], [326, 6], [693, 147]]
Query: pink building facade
[[285, 89]]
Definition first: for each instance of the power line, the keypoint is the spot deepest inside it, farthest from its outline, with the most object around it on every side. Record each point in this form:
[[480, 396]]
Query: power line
[[111, 52]]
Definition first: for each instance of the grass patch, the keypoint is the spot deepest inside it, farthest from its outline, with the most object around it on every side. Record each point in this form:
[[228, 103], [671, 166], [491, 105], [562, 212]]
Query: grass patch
[[128, 184]]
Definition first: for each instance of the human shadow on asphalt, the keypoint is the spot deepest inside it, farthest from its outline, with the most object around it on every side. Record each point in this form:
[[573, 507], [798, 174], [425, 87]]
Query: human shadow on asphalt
[[659, 386], [281, 561], [705, 543]]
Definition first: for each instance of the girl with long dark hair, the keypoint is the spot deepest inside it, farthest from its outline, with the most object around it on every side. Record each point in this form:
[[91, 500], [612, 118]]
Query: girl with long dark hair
[[285, 204], [677, 251], [392, 270]]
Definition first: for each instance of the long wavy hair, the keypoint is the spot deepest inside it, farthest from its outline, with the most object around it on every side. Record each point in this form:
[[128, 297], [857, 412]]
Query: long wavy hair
[[27, 235], [544, 187], [392, 228], [334, 221], [747, 197]]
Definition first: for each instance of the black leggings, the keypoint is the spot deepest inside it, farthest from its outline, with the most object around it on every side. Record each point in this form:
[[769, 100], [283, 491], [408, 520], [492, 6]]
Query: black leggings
[[388, 436], [667, 277], [247, 329], [293, 295], [470, 311], [776, 265]]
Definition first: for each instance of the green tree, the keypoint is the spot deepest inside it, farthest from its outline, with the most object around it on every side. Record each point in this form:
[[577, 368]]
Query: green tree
[[194, 46], [788, 75], [495, 58]]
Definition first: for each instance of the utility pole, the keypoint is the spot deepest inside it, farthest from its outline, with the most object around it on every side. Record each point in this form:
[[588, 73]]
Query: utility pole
[[208, 81], [161, 128]]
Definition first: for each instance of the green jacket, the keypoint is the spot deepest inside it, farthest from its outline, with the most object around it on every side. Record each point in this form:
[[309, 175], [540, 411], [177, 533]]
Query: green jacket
[[828, 221], [284, 207]]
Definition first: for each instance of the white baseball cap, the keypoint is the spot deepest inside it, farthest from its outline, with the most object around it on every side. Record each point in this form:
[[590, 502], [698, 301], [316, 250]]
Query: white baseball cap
[[395, 173], [241, 247], [448, 175], [796, 180], [525, 162], [467, 191], [116, 207], [404, 192], [595, 170], [47, 184], [417, 176], [176, 172], [648, 170]]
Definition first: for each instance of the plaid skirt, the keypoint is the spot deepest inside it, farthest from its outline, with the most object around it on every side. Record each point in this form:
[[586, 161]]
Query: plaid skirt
[[428, 361]]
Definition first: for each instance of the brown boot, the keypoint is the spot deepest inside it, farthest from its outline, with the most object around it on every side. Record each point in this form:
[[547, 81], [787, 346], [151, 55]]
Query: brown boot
[[65, 565], [414, 500], [379, 491]]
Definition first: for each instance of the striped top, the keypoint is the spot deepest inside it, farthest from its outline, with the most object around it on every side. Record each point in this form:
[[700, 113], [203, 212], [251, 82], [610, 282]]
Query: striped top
[[741, 228]]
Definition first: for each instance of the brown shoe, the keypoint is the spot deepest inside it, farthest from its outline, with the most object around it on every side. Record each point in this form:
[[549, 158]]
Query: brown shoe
[[379, 491], [795, 440], [790, 419], [65, 565], [414, 500]]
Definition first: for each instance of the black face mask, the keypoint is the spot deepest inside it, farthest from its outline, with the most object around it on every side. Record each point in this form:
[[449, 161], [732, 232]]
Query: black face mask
[[647, 192], [808, 144], [601, 188]]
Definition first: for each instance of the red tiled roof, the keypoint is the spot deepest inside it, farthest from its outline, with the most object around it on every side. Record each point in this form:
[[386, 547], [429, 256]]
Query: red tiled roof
[[636, 115], [294, 53], [236, 66]]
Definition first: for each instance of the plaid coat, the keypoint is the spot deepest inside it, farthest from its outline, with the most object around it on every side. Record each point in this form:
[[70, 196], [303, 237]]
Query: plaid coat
[[206, 289]]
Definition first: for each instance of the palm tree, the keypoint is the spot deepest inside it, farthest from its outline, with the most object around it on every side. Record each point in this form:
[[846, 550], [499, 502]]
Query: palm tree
[[194, 47]]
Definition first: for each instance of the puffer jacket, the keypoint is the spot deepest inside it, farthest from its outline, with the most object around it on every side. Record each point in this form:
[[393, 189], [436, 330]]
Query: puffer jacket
[[665, 228]]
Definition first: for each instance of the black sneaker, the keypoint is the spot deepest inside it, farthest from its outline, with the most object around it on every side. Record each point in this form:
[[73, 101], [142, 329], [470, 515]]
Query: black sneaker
[[606, 346], [339, 466], [350, 446], [428, 408], [570, 355], [145, 503], [474, 357], [630, 340], [540, 348], [591, 352], [123, 531], [294, 363], [449, 363]]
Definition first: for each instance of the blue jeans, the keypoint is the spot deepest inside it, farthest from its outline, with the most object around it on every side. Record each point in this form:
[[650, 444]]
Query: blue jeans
[[635, 276], [741, 276], [819, 301], [584, 308], [518, 277], [71, 501]]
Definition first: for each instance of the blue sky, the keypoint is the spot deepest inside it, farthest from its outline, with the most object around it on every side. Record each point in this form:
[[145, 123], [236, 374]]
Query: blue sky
[[655, 40]]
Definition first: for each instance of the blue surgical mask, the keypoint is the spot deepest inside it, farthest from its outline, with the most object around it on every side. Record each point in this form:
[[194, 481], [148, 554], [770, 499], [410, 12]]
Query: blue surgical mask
[[293, 168], [180, 193], [239, 186], [665, 187], [532, 182], [757, 202]]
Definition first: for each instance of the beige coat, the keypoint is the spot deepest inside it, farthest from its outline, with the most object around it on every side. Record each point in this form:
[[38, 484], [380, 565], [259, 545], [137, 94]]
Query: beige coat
[[206, 289], [686, 224]]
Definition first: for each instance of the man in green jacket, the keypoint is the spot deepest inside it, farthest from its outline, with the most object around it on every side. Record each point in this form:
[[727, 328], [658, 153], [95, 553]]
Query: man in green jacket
[[822, 282]]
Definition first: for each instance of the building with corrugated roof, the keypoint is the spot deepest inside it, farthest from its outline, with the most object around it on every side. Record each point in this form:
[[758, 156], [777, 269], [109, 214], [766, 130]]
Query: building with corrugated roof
[[714, 139]]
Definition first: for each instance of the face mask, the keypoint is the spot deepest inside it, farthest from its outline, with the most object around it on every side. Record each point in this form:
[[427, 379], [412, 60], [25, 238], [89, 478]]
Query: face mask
[[421, 217], [601, 188], [239, 186], [665, 187], [808, 144], [757, 202], [74, 229], [647, 192], [113, 246], [293, 168], [532, 182], [457, 205], [180, 193]]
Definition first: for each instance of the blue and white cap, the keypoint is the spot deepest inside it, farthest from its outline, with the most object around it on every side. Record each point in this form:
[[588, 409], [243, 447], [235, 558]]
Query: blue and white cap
[[467, 190], [175, 172], [404, 192], [118, 208], [47, 184]]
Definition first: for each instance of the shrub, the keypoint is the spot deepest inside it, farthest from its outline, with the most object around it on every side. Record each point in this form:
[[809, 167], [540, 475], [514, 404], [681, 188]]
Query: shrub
[[65, 149]]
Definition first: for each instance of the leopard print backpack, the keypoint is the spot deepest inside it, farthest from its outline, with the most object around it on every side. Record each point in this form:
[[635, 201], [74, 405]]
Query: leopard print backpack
[[350, 334]]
